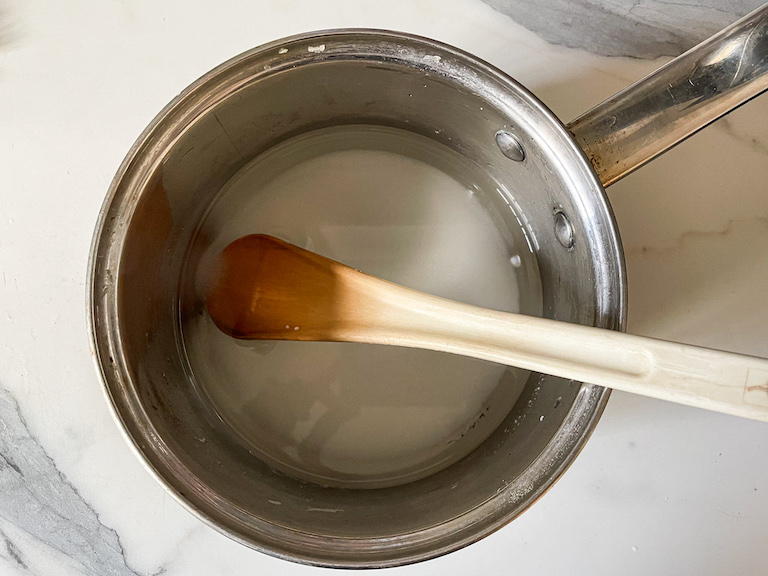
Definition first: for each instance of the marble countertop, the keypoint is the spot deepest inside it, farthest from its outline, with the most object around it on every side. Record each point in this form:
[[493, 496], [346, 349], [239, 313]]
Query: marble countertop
[[659, 489]]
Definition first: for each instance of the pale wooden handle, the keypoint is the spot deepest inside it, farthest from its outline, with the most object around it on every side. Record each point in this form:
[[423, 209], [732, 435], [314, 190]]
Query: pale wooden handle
[[711, 379]]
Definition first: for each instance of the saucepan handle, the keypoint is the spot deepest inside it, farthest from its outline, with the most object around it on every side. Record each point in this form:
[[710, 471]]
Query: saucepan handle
[[677, 100]]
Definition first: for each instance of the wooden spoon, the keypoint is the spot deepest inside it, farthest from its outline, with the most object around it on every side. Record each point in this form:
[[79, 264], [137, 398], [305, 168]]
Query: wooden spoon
[[268, 289]]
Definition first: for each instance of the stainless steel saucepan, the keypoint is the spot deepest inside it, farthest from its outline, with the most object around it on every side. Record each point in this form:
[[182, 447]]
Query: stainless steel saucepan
[[558, 173]]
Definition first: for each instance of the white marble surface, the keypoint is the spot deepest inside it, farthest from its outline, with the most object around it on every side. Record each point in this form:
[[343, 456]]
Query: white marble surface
[[659, 489], [636, 28]]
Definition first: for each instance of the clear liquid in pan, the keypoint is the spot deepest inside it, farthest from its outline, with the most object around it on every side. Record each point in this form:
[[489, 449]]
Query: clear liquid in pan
[[399, 206]]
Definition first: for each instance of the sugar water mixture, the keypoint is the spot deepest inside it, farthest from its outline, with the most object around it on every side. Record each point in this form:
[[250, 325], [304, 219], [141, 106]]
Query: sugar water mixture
[[399, 206]]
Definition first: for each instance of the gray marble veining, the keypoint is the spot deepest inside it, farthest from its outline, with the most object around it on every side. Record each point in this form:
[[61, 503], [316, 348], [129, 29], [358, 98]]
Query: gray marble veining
[[39, 500], [758, 143], [636, 28], [12, 552]]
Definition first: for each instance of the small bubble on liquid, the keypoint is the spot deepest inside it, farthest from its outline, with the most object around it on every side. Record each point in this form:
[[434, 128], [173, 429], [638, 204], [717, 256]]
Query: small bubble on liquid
[[634, 548], [287, 327], [410, 95], [481, 107], [515, 261], [282, 51], [295, 327], [541, 418]]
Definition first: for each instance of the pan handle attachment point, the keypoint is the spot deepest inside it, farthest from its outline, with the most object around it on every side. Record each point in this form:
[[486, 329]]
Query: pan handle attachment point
[[677, 100]]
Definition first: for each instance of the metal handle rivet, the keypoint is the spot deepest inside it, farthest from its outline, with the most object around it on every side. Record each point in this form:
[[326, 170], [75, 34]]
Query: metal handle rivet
[[510, 146], [563, 230]]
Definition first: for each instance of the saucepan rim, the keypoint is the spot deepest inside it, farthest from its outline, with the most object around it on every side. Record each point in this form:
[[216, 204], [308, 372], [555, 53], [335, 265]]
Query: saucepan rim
[[103, 323]]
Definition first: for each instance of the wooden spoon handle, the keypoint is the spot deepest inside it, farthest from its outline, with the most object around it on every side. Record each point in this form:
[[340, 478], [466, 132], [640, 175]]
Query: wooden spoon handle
[[721, 381]]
